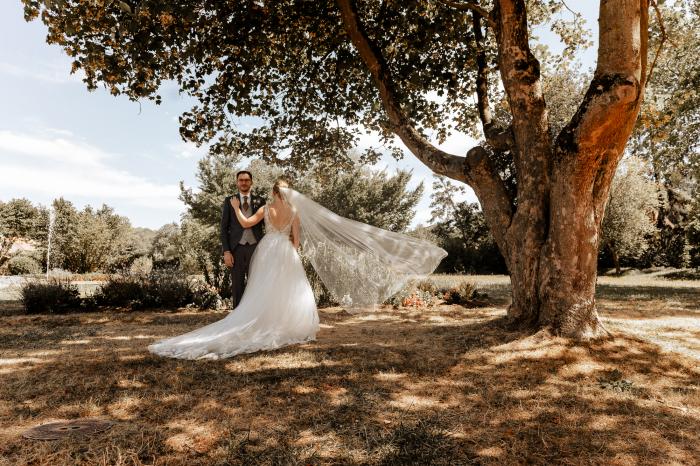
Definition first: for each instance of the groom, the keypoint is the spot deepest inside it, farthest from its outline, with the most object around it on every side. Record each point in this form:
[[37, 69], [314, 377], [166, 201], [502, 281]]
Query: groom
[[238, 243]]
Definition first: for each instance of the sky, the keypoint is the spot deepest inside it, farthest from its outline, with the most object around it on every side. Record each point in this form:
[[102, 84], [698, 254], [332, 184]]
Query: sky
[[57, 139]]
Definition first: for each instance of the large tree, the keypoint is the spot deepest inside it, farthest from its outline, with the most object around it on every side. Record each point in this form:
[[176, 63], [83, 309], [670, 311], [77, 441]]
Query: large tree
[[317, 72]]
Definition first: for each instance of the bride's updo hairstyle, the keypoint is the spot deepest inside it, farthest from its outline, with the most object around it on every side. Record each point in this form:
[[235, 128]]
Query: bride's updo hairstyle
[[280, 183]]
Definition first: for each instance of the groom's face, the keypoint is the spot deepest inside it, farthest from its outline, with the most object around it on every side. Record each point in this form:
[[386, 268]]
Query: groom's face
[[244, 183]]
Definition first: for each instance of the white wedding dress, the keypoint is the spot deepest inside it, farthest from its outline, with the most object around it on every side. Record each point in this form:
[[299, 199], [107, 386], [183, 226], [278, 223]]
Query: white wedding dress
[[277, 309]]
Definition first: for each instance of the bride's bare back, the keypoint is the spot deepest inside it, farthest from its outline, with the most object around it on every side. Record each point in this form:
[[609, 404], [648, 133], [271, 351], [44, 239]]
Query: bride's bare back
[[280, 214], [282, 217]]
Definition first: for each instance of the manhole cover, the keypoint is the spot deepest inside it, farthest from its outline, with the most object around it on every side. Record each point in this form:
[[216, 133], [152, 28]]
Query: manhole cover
[[58, 430]]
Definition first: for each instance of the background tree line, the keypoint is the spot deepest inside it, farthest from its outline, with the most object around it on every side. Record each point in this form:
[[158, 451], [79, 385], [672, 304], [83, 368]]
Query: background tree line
[[647, 223], [98, 240]]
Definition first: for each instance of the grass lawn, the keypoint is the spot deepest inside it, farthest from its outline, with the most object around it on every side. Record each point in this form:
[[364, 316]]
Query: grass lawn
[[442, 385]]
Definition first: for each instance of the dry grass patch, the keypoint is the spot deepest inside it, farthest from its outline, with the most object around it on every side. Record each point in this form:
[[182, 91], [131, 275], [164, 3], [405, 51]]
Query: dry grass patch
[[443, 385]]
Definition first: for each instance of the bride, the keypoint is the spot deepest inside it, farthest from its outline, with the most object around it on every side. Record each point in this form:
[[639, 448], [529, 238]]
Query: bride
[[360, 264]]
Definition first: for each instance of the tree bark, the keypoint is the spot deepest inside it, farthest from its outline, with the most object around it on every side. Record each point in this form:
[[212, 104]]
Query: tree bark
[[554, 280]]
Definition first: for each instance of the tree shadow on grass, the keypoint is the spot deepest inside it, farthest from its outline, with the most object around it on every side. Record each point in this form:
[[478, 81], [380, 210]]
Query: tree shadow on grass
[[649, 301], [438, 386]]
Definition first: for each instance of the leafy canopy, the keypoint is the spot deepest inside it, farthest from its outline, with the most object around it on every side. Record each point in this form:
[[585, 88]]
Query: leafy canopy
[[287, 63]]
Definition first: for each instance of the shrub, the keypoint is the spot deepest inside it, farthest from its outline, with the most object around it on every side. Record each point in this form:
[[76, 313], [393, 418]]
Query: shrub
[[55, 297], [141, 266], [205, 296], [121, 290], [695, 257], [427, 286], [160, 288], [167, 288], [465, 294], [22, 264]]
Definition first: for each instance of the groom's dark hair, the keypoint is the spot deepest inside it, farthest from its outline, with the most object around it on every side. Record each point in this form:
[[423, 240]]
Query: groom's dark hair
[[244, 172]]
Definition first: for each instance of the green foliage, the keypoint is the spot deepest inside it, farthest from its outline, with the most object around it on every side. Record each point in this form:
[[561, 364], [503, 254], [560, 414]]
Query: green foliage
[[461, 230], [200, 249], [668, 129], [629, 217], [205, 296], [158, 289], [694, 232], [141, 266], [216, 179], [20, 220], [564, 88], [165, 251], [23, 264], [289, 63], [371, 197], [141, 241], [55, 297], [121, 290], [90, 240]]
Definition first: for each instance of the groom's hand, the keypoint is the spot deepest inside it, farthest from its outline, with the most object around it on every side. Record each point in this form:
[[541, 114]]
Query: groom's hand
[[228, 259]]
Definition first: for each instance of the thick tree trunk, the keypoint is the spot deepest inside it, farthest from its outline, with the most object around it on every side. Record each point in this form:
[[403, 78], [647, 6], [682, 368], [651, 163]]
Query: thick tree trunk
[[552, 242], [548, 234], [553, 284], [569, 264]]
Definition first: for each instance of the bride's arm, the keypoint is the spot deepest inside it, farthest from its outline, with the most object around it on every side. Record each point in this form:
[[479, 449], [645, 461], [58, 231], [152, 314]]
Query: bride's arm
[[295, 232], [250, 221]]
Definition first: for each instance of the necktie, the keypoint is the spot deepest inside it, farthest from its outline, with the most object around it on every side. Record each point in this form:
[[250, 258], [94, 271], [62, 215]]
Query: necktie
[[245, 205]]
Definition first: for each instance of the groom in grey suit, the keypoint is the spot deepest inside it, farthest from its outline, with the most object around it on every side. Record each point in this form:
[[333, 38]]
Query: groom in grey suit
[[238, 243]]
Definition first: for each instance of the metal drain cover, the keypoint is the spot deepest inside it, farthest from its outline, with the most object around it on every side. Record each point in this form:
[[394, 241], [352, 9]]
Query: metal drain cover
[[62, 429]]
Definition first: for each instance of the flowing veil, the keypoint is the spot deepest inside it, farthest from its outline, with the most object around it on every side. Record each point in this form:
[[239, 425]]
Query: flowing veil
[[361, 265]]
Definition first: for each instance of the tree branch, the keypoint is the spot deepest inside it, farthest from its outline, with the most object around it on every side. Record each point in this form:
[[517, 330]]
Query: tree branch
[[473, 7], [492, 194], [498, 138], [664, 38], [437, 160], [476, 169], [532, 144], [604, 120], [520, 70]]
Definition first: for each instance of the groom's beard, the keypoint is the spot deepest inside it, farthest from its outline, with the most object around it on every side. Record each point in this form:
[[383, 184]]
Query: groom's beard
[[245, 193]]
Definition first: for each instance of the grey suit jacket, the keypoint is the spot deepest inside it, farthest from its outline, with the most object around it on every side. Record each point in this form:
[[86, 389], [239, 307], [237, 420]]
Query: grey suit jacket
[[231, 229]]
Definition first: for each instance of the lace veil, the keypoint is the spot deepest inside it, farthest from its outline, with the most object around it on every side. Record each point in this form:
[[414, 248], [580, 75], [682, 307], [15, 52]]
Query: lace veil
[[361, 265]]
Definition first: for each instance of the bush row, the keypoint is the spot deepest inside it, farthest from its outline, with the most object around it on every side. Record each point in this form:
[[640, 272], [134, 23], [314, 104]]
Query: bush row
[[158, 289], [169, 289]]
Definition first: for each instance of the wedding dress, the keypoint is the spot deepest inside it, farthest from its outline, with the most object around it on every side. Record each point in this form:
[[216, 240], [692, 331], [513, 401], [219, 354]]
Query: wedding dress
[[277, 309], [361, 266]]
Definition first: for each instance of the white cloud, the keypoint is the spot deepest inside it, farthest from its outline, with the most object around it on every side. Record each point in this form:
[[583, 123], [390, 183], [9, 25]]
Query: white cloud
[[54, 73], [43, 167], [59, 149]]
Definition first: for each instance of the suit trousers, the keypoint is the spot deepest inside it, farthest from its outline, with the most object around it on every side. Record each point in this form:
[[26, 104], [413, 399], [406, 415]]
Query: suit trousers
[[239, 273]]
